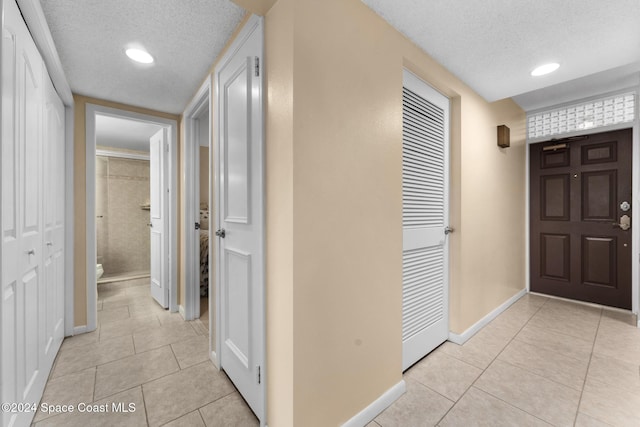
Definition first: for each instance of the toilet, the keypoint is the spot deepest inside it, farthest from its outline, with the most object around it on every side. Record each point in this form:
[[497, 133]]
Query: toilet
[[99, 271]]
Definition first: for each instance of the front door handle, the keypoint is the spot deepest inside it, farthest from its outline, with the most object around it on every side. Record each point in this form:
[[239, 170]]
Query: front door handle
[[221, 233], [625, 222]]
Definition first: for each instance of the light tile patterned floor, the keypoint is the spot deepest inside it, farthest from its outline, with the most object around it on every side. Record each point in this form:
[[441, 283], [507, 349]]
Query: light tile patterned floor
[[542, 362], [143, 355]]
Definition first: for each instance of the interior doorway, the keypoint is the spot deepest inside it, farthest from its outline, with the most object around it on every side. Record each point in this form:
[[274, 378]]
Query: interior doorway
[[199, 284], [122, 199], [167, 204], [581, 209]]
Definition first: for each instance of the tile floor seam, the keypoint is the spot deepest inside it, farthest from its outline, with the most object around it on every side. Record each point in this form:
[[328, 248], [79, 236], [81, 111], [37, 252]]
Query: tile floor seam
[[560, 333], [575, 419], [141, 384], [526, 368], [92, 366], [513, 406], [435, 391], [144, 403], [201, 417], [547, 348], [493, 360], [175, 357], [95, 381]]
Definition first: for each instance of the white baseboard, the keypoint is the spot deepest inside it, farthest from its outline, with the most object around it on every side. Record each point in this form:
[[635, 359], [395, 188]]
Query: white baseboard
[[181, 311], [376, 407], [214, 358], [475, 328], [80, 330]]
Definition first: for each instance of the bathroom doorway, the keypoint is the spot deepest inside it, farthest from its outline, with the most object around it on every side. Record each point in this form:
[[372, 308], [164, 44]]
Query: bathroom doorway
[[122, 199], [121, 171]]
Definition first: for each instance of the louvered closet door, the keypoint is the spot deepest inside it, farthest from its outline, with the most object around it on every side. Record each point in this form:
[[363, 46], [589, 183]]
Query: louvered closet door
[[425, 146]]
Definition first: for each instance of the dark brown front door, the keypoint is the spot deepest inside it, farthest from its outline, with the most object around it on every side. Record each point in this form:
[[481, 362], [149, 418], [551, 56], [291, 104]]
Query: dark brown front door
[[579, 249]]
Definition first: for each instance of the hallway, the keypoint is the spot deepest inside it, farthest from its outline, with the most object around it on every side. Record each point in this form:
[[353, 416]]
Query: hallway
[[542, 362], [143, 355]]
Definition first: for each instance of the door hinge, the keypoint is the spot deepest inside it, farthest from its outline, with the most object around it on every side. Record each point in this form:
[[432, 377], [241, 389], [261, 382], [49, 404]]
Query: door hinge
[[197, 226], [257, 66], [259, 374]]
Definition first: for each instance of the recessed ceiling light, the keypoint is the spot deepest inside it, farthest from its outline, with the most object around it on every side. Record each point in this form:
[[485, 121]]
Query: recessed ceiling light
[[139, 55], [545, 69]]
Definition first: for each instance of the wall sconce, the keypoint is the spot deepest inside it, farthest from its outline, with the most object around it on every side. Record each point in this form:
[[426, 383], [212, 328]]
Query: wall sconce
[[503, 136]]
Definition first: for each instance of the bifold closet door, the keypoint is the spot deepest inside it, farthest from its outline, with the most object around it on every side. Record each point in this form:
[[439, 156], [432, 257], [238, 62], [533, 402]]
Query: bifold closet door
[[425, 147], [22, 233], [52, 297], [32, 221]]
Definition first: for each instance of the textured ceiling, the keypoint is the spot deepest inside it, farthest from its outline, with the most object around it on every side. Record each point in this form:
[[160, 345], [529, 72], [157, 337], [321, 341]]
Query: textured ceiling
[[122, 133], [185, 37], [493, 45]]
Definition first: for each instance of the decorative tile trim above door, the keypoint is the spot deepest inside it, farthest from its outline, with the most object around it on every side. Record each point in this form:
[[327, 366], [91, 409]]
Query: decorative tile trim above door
[[602, 112]]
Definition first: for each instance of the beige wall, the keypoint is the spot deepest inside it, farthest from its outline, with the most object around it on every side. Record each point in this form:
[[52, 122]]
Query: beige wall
[[334, 207], [279, 186], [79, 189]]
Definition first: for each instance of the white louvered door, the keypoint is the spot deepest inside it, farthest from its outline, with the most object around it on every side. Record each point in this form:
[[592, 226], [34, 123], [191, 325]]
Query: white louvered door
[[425, 171]]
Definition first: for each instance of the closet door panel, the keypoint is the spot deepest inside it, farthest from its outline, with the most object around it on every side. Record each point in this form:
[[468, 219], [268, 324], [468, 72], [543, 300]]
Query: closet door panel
[[10, 218], [31, 295]]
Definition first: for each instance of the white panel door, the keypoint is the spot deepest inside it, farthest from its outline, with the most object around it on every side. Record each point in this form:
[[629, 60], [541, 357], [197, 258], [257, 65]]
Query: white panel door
[[240, 217], [23, 369], [10, 217], [425, 287], [158, 216], [52, 298]]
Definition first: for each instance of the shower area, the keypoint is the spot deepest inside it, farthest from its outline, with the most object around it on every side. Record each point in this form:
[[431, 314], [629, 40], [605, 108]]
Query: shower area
[[122, 215]]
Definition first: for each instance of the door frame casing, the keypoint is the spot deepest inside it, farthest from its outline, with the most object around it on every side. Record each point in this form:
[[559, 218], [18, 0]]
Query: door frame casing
[[253, 24], [92, 110], [635, 192], [191, 178]]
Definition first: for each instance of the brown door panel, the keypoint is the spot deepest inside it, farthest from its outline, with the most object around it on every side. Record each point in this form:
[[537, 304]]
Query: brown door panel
[[577, 249]]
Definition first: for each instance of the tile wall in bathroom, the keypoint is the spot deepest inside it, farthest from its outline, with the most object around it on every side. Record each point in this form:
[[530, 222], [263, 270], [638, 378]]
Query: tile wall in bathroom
[[123, 240]]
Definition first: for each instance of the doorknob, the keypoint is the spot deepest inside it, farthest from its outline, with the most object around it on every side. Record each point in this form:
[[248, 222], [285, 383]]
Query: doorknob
[[625, 222], [221, 233]]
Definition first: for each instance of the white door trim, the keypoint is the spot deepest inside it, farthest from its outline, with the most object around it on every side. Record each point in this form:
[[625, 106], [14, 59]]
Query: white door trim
[[191, 178], [91, 111], [254, 23], [635, 195], [69, 211], [122, 155], [34, 18]]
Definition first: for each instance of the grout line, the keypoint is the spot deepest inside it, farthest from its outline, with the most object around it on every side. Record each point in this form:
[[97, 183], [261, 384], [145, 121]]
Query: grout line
[[433, 390], [493, 360], [95, 382], [201, 417], [588, 367], [175, 357], [144, 403]]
